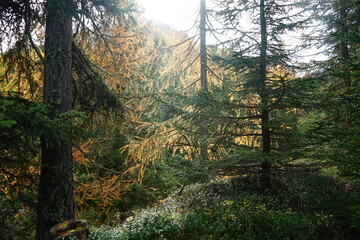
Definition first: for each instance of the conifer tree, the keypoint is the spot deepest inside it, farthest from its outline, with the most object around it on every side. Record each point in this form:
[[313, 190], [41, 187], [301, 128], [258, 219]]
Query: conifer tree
[[20, 21], [256, 50], [56, 182], [340, 77]]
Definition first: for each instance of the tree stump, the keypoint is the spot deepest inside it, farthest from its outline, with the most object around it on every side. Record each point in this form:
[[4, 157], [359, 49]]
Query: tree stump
[[70, 229]]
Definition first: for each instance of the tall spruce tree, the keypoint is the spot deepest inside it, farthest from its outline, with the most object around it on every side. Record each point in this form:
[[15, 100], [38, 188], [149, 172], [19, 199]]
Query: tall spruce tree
[[340, 74], [257, 53]]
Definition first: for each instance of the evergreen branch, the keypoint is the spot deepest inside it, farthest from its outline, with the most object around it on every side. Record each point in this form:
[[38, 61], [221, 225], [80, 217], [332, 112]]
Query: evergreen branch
[[95, 164]]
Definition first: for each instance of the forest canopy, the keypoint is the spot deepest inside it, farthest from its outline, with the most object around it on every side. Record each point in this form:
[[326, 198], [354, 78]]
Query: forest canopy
[[150, 131]]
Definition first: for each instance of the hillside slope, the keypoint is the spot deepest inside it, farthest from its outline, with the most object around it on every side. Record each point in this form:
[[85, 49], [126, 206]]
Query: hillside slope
[[306, 207]]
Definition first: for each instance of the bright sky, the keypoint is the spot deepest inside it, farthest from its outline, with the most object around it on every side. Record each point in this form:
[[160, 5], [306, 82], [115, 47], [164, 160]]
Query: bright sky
[[180, 14]]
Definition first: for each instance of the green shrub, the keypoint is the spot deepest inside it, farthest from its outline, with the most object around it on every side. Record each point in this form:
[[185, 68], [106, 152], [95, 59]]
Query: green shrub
[[147, 224], [105, 233], [170, 174], [251, 221], [323, 194]]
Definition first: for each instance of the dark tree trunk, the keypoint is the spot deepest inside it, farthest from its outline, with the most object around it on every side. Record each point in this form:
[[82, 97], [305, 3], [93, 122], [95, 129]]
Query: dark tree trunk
[[203, 53], [344, 54], [203, 79], [264, 95], [56, 184]]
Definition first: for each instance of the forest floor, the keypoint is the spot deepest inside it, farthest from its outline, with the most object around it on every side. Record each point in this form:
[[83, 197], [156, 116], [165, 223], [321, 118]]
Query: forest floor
[[299, 206]]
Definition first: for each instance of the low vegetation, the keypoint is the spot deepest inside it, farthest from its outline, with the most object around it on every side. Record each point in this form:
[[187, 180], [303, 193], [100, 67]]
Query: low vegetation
[[300, 206]]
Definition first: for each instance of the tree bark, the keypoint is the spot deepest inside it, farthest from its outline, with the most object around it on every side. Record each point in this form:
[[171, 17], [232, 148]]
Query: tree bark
[[264, 96], [203, 78], [55, 203], [344, 54], [203, 50]]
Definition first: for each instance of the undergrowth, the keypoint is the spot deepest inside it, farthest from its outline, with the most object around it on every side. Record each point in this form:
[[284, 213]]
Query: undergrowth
[[306, 207]]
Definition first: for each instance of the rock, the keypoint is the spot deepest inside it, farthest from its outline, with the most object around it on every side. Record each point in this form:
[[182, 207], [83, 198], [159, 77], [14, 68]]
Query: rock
[[71, 228]]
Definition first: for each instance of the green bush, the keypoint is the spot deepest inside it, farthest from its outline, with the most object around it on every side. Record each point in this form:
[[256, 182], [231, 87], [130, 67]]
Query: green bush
[[147, 224], [248, 220], [170, 174], [105, 233], [326, 195]]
